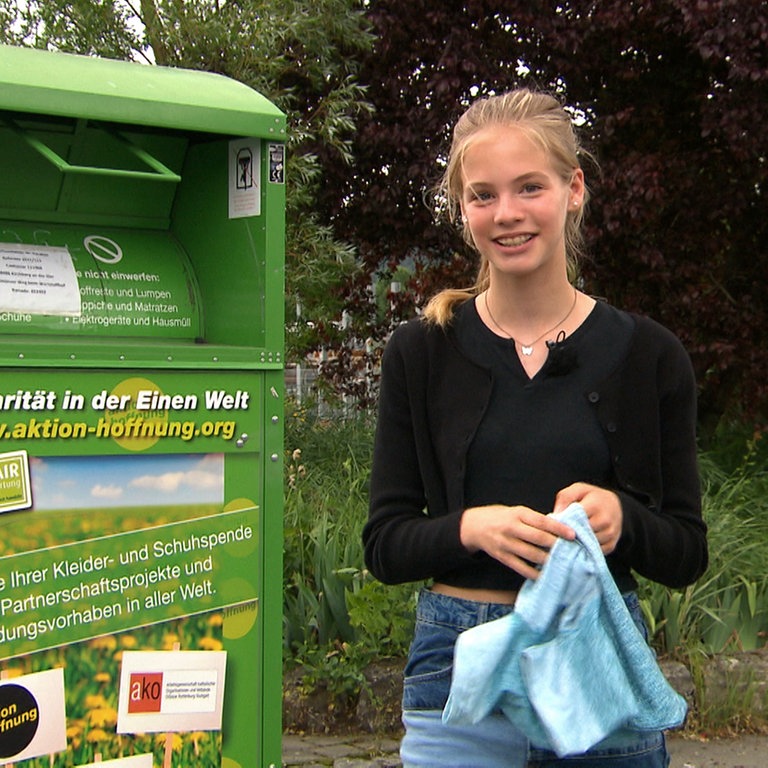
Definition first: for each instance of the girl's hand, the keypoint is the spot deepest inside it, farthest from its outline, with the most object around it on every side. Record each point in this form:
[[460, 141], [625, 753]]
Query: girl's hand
[[518, 537], [603, 509]]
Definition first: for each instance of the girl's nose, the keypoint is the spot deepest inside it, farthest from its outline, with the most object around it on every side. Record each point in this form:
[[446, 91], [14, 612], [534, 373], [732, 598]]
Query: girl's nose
[[507, 209]]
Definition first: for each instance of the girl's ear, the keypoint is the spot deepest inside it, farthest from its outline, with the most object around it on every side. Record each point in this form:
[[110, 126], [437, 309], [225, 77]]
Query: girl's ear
[[576, 189]]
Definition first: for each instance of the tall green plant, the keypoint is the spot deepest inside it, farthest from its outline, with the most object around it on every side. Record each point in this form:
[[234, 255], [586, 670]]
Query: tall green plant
[[325, 509], [727, 609]]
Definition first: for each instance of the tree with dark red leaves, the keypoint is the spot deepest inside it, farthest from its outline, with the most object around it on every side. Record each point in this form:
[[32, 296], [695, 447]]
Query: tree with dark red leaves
[[672, 98]]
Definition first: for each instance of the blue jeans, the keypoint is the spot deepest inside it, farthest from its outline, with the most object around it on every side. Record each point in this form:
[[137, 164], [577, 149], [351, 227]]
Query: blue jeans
[[494, 742]]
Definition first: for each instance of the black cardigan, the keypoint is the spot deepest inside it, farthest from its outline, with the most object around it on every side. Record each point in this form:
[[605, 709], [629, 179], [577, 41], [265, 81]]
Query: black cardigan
[[432, 399]]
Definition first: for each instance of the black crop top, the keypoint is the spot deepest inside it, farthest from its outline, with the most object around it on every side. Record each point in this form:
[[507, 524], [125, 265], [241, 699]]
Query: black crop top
[[538, 434], [432, 399]]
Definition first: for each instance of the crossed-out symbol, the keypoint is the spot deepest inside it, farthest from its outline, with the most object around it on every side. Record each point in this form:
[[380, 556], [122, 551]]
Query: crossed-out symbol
[[245, 164]]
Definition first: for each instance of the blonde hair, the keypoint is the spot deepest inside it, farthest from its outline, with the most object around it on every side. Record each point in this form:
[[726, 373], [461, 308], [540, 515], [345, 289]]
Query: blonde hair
[[544, 121]]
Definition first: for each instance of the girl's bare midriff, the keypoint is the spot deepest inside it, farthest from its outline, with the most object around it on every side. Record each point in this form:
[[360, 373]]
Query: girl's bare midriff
[[504, 597]]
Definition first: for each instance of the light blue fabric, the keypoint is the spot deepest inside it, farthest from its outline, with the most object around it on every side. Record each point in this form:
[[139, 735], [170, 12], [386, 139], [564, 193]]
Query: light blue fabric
[[492, 743], [569, 667]]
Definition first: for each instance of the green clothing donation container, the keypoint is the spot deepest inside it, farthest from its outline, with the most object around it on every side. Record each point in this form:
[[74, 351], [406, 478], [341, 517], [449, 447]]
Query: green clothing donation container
[[141, 408]]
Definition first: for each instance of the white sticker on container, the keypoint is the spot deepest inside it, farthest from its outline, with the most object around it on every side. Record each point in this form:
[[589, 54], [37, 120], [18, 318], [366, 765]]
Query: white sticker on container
[[244, 178], [38, 280]]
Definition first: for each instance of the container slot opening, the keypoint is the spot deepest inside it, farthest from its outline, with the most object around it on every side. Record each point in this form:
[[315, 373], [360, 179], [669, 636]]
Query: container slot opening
[[158, 172]]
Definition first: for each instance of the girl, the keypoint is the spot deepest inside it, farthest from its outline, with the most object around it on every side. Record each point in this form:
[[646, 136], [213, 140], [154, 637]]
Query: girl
[[511, 400]]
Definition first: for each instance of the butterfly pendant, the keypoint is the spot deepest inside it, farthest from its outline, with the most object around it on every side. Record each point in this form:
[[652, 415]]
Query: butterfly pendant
[[527, 351]]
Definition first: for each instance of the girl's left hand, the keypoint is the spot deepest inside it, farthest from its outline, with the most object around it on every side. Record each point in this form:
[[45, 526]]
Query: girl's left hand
[[603, 509]]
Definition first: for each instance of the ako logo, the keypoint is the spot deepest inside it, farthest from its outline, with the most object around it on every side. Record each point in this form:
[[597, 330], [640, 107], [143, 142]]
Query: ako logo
[[145, 692], [170, 691]]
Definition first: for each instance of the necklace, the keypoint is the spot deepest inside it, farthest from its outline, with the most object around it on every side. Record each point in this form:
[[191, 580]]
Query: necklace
[[527, 349]]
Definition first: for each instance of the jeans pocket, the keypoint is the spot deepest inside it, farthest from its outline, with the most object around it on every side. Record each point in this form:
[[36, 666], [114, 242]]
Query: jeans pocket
[[429, 668], [624, 749]]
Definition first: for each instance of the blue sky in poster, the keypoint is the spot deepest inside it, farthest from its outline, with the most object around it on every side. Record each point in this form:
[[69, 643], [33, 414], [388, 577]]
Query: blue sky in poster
[[71, 482]]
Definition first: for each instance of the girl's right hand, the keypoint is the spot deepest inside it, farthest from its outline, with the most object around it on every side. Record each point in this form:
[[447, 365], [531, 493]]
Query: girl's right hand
[[518, 537]]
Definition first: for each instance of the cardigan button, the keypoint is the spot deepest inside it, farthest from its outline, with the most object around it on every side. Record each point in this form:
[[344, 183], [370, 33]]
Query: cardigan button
[[611, 426], [593, 397]]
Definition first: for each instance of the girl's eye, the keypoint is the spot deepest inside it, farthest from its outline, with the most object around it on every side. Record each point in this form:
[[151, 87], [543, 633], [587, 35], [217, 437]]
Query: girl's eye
[[482, 197], [531, 189]]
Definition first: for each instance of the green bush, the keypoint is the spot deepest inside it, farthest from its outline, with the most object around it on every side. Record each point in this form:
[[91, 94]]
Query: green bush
[[337, 618], [326, 498], [727, 609]]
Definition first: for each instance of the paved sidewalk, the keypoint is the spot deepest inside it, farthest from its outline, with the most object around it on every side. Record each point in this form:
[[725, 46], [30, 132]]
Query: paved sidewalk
[[352, 751], [367, 751]]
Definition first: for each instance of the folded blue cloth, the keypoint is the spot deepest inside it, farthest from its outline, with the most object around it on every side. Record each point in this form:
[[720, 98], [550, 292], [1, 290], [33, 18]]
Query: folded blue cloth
[[568, 667]]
